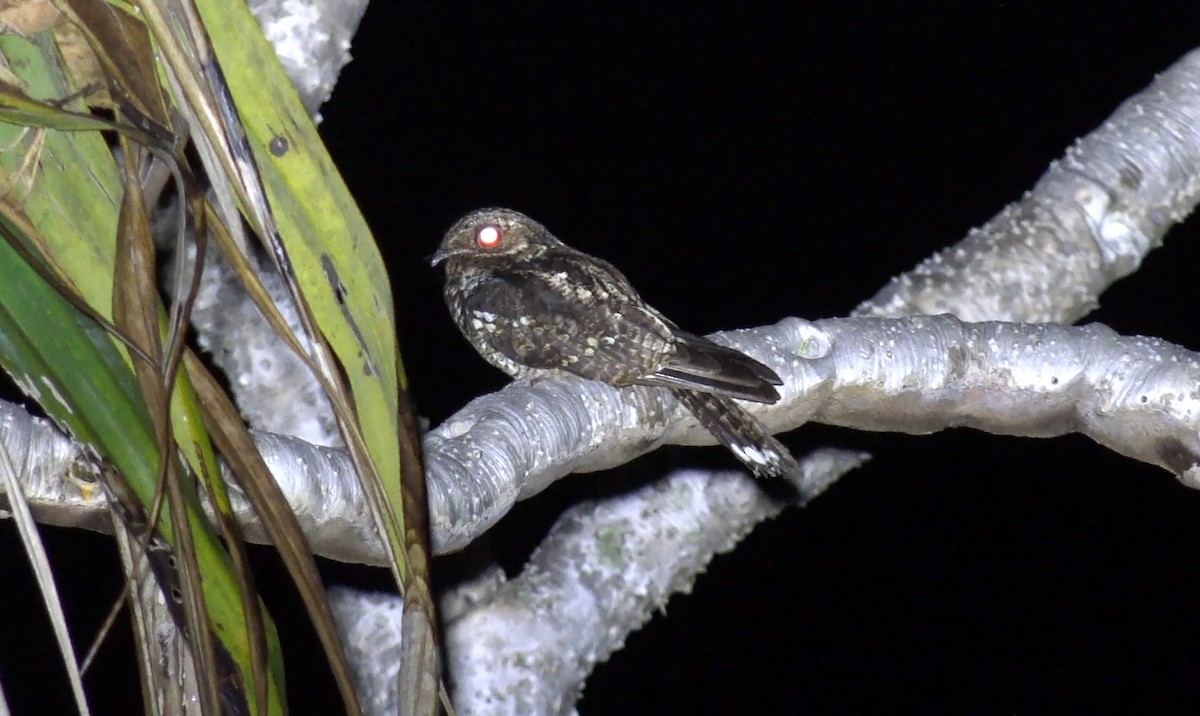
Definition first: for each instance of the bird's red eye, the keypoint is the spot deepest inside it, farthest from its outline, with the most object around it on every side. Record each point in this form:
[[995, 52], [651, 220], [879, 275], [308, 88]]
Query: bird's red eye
[[488, 237]]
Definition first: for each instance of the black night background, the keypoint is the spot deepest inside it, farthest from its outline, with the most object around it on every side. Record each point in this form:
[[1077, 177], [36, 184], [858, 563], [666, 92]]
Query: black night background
[[741, 166]]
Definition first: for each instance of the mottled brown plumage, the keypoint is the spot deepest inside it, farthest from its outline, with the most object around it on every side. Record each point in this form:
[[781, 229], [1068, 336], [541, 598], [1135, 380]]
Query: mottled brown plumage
[[529, 303]]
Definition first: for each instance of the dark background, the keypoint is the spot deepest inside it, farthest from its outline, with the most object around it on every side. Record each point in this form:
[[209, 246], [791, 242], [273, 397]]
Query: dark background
[[740, 167]]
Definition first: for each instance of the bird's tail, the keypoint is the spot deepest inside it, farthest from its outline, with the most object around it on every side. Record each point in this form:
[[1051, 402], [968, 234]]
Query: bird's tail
[[745, 436]]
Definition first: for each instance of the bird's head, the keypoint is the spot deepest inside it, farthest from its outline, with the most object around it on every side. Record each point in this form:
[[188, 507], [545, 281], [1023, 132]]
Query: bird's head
[[486, 233]]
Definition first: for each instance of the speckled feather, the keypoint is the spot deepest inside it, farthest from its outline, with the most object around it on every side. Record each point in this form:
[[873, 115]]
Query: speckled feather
[[528, 303]]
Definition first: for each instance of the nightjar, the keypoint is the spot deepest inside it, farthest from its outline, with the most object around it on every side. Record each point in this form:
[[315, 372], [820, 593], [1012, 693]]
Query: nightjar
[[530, 304]]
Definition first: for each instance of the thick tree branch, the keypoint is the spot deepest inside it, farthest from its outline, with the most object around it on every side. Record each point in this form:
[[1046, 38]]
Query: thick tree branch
[[915, 375]]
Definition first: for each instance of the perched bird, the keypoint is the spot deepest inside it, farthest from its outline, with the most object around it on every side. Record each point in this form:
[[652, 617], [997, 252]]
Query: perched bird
[[531, 304]]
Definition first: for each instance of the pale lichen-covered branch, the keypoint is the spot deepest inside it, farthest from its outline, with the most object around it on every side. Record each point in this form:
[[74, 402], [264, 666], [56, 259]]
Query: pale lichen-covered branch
[[1134, 395], [599, 575]]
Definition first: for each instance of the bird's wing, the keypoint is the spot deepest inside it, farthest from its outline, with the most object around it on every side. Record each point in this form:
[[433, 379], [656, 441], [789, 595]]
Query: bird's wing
[[703, 365], [586, 325]]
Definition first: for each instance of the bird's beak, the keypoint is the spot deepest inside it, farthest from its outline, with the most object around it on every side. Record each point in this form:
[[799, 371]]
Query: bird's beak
[[442, 254]]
